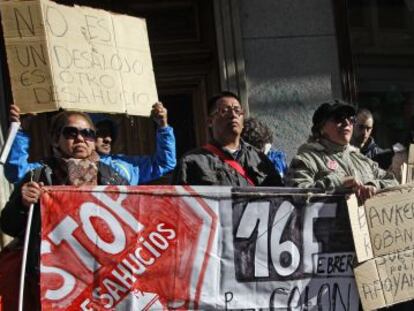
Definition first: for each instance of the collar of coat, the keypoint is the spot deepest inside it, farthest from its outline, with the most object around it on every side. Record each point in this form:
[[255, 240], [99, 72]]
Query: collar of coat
[[325, 145]]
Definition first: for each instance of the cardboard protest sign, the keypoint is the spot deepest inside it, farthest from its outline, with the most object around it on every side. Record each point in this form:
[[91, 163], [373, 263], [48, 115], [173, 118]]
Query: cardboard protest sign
[[137, 248], [77, 58], [383, 233]]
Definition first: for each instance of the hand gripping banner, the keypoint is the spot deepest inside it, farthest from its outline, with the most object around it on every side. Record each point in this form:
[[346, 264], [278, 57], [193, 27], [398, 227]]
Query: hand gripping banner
[[159, 248]]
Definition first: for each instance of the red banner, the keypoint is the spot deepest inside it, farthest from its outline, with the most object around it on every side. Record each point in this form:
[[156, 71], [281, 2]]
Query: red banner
[[119, 249]]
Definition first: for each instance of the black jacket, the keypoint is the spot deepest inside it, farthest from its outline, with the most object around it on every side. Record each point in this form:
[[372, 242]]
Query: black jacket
[[201, 167], [382, 156]]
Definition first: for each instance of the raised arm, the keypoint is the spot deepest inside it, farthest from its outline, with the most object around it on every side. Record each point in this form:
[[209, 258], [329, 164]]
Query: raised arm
[[18, 165], [142, 169]]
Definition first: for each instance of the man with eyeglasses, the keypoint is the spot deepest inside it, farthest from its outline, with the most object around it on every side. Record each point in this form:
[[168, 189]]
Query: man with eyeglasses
[[226, 160], [328, 161], [363, 140], [135, 169]]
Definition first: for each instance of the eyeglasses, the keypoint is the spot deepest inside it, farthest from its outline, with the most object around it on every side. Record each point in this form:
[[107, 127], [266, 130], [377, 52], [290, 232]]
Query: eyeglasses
[[340, 119], [362, 127], [228, 110], [71, 132]]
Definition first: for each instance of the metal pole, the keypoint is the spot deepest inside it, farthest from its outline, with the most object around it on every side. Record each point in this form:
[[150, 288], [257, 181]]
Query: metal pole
[[24, 259]]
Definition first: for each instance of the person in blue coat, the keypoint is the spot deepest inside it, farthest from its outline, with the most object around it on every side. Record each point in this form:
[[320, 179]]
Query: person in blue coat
[[259, 135], [136, 169]]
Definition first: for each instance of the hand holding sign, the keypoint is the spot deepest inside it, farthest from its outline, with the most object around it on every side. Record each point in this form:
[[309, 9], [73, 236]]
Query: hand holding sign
[[363, 192], [159, 114], [24, 120]]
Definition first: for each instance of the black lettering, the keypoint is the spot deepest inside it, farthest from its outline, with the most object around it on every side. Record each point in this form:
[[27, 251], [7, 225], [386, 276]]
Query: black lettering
[[324, 294], [21, 20], [398, 236], [40, 75], [89, 26], [280, 291], [349, 262], [387, 214], [396, 283], [320, 265], [361, 217], [38, 55], [116, 62], [60, 26], [63, 56], [408, 234], [373, 214], [337, 294], [87, 57], [77, 59], [366, 290], [388, 238], [66, 76], [42, 95], [294, 298], [18, 51], [140, 98], [103, 25], [228, 297], [398, 216], [107, 81]]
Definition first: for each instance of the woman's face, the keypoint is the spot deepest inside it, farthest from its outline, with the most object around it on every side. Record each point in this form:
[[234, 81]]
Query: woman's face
[[76, 140], [339, 129]]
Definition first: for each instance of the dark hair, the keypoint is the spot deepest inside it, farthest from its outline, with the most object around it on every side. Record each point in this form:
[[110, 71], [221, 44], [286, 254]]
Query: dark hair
[[256, 133], [327, 110], [110, 124], [211, 103], [366, 113], [61, 119]]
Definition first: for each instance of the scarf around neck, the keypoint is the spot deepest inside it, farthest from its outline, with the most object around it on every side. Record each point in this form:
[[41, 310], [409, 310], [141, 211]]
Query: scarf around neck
[[77, 172]]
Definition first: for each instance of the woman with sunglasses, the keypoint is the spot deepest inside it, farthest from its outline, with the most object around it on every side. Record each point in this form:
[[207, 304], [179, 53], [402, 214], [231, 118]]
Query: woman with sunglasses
[[74, 162], [137, 169], [328, 161]]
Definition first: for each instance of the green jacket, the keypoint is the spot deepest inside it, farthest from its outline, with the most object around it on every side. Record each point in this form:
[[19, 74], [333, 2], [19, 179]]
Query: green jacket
[[324, 165]]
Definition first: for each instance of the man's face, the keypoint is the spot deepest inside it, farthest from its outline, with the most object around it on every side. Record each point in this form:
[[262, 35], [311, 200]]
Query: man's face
[[103, 138], [363, 129], [227, 120]]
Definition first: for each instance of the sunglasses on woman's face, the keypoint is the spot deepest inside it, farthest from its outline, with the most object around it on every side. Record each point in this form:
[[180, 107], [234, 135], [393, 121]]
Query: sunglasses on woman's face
[[342, 118], [71, 132]]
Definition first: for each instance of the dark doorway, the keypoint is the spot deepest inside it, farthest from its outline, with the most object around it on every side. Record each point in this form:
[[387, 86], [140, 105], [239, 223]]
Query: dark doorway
[[376, 44]]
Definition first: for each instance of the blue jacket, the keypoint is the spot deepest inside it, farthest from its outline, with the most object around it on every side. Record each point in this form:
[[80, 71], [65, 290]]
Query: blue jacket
[[136, 169]]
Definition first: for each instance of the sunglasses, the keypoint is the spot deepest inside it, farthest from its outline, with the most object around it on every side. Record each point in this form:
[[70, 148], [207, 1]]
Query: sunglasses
[[342, 118], [71, 132]]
